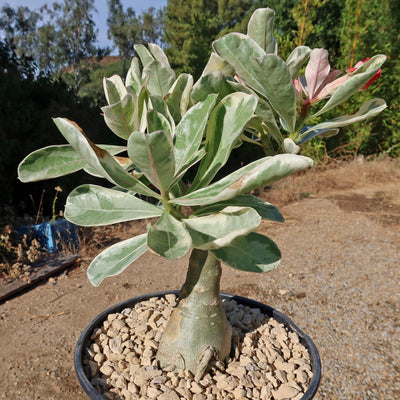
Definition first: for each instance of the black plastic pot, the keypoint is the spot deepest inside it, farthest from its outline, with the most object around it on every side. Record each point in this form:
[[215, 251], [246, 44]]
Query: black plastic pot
[[84, 340]]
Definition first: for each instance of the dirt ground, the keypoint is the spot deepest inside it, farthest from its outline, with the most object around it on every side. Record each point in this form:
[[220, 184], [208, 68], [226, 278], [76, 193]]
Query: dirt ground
[[338, 280]]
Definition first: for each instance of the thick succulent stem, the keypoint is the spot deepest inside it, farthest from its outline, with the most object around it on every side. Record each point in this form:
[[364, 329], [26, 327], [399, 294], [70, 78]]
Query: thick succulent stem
[[198, 326]]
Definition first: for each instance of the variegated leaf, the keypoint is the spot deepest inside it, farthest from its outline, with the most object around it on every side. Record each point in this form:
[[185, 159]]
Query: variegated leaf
[[168, 237], [220, 229], [251, 253], [92, 205], [115, 259], [254, 175]]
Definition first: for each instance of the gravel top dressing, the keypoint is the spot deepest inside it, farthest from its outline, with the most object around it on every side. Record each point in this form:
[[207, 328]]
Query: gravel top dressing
[[267, 360]]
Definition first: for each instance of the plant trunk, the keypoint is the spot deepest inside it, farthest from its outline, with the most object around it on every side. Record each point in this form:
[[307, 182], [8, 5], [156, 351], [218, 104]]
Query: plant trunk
[[197, 330]]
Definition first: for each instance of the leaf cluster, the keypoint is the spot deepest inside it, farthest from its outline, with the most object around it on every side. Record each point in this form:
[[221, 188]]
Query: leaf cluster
[[168, 131], [171, 125]]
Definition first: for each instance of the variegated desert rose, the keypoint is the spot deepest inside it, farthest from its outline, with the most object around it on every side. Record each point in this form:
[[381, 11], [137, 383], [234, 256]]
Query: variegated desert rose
[[171, 124]]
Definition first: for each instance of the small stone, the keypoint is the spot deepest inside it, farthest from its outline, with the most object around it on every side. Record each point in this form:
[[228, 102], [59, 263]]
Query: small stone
[[115, 345], [111, 317], [158, 380], [239, 393], [132, 388], [247, 341], [301, 376], [285, 392], [112, 333], [106, 370], [196, 388], [171, 298], [170, 395], [117, 324], [120, 383], [93, 367], [100, 382], [153, 393]]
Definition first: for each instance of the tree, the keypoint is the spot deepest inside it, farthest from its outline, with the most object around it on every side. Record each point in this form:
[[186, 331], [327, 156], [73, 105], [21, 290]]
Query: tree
[[372, 27], [152, 26], [191, 26], [126, 29], [123, 28], [75, 36], [19, 27]]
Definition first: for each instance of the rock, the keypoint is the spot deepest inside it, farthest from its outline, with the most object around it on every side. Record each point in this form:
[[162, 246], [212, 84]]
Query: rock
[[153, 393], [93, 367], [170, 395], [117, 324], [285, 392], [239, 393], [115, 345], [196, 388], [106, 370]]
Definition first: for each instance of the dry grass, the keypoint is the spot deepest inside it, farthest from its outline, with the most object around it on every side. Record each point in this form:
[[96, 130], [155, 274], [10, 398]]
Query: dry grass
[[331, 177]]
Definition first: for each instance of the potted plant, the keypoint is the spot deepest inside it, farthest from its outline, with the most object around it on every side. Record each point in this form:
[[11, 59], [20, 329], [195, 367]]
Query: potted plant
[[172, 126]]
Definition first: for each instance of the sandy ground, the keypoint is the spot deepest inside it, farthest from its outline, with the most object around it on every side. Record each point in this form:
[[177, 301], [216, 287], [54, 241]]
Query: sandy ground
[[338, 280]]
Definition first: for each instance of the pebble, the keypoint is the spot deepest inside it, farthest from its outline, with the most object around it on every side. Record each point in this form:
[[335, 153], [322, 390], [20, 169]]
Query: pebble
[[271, 362]]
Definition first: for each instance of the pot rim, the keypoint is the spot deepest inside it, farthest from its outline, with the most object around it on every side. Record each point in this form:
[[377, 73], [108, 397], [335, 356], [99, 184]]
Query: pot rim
[[277, 315]]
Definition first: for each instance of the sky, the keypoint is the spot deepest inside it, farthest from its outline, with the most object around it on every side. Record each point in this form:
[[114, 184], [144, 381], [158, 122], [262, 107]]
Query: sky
[[100, 17]]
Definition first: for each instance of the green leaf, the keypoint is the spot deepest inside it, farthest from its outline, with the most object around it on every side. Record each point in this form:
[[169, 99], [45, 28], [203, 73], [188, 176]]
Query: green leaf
[[120, 117], [264, 111], [213, 82], [265, 210], [322, 133], [125, 162], [144, 54], [101, 160], [55, 161], [216, 63], [358, 79], [367, 110], [254, 175], [141, 110], [115, 259], [114, 89], [168, 237], [160, 105], [134, 76], [261, 29], [237, 49], [190, 131], [161, 78], [178, 97], [296, 60], [224, 127], [153, 154], [92, 205], [157, 122], [251, 253], [192, 160], [267, 74], [273, 81], [220, 229], [158, 53]]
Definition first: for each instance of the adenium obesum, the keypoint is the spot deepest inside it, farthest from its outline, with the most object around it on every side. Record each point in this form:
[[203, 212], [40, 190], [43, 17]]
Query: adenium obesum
[[373, 79], [319, 82]]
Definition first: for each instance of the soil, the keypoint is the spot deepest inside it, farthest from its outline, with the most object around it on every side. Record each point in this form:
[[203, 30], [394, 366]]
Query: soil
[[338, 280]]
